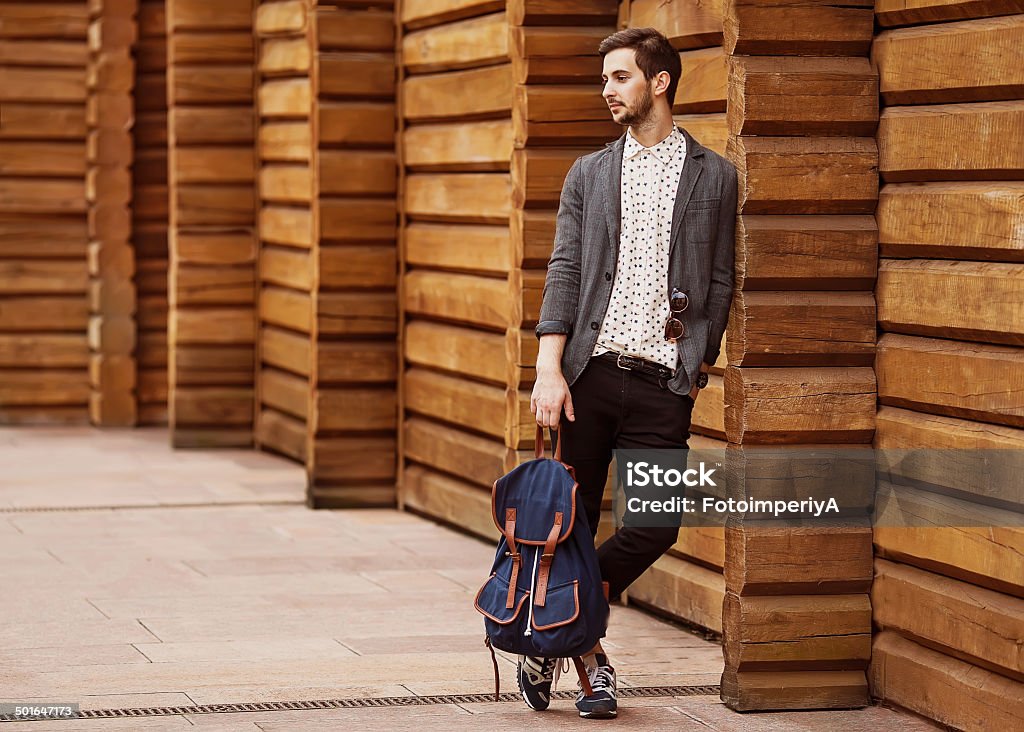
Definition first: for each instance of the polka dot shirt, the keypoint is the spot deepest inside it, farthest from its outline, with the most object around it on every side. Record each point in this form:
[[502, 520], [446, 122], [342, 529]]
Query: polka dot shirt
[[635, 321]]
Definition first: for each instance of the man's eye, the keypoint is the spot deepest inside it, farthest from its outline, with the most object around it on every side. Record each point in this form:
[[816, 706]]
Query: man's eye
[[622, 78]]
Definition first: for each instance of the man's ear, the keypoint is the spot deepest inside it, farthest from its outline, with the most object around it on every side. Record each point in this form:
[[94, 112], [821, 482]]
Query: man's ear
[[661, 81]]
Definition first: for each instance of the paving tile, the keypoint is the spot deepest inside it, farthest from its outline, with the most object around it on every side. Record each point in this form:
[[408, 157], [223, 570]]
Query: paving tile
[[413, 580], [149, 724], [402, 644], [16, 607], [193, 675], [143, 606], [716, 716], [298, 692], [48, 633], [393, 719], [70, 654], [135, 701], [679, 678], [249, 650]]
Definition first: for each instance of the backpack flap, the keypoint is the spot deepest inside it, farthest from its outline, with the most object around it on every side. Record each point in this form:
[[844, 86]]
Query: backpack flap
[[562, 607], [544, 486], [491, 600], [558, 625]]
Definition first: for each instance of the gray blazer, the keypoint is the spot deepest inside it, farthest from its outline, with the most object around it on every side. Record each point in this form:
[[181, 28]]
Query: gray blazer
[[581, 270]]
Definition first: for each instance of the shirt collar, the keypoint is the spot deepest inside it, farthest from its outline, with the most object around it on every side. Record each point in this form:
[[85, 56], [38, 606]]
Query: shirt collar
[[663, 151]]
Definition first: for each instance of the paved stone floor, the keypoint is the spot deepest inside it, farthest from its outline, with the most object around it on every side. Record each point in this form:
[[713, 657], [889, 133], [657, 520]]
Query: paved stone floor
[[162, 578]]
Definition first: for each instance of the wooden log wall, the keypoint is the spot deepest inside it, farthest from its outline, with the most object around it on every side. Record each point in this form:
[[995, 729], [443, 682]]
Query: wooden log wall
[[110, 116], [44, 276], [455, 148], [802, 111], [688, 583], [328, 260], [497, 101], [150, 213], [949, 602], [211, 173]]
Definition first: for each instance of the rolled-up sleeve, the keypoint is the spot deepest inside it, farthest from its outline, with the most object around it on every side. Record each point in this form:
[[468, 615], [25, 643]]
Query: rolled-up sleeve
[[562, 283]]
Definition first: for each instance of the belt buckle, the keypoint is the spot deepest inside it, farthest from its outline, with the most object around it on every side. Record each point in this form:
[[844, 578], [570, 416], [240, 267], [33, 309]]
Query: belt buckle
[[618, 362]]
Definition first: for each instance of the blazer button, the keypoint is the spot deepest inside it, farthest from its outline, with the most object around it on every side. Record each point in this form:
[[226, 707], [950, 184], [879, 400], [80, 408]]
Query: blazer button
[[608, 276], [594, 325]]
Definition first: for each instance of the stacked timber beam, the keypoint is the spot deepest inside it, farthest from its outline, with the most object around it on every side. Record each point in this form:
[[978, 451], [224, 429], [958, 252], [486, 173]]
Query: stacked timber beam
[[149, 212], [803, 104], [688, 583], [328, 356], [110, 116], [949, 602], [44, 279], [455, 307], [211, 324]]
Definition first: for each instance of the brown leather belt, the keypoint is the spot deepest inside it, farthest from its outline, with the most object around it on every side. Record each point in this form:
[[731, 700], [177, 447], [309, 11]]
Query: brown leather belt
[[635, 363]]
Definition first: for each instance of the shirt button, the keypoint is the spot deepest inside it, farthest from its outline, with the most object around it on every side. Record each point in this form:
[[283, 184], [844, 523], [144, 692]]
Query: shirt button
[[594, 325], [608, 276]]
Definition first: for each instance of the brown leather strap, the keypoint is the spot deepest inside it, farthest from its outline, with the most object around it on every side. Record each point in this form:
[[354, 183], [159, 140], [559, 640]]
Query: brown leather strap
[[538, 444], [581, 671], [510, 539], [540, 595], [494, 662]]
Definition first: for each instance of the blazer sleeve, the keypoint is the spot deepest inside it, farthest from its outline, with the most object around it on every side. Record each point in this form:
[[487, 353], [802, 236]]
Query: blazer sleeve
[[562, 282], [721, 288]]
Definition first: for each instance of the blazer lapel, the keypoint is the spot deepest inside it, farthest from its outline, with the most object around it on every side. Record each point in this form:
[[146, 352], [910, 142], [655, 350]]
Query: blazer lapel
[[612, 179], [692, 168]]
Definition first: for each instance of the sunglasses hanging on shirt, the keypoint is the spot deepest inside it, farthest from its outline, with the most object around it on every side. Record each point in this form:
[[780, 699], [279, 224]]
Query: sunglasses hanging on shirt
[[674, 328]]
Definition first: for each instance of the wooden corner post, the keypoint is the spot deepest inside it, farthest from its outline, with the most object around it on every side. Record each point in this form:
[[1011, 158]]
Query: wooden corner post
[[110, 117], [802, 109]]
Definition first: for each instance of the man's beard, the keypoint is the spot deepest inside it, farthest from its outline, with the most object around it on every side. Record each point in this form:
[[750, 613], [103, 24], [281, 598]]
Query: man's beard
[[640, 111]]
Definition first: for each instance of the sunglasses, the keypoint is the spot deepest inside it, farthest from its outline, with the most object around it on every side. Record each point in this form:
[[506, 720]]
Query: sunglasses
[[674, 328]]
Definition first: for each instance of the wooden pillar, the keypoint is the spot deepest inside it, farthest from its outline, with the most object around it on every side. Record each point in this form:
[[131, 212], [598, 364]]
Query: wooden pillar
[[44, 278], [455, 129], [327, 245], [149, 212], [211, 325], [803, 106], [110, 116]]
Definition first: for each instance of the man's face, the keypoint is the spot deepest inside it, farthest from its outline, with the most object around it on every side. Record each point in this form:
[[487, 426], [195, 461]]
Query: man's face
[[629, 95]]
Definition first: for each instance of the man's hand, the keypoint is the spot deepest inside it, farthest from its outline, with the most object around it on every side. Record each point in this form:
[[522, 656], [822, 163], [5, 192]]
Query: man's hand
[[694, 392], [550, 395]]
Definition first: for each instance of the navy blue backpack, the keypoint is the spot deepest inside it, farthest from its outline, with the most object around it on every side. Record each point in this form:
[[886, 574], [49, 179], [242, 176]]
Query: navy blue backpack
[[544, 596]]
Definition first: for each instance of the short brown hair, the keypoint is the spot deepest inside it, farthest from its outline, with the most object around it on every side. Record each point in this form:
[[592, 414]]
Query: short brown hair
[[654, 54]]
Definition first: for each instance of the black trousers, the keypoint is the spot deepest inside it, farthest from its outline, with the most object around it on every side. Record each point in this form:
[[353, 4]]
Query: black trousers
[[620, 409]]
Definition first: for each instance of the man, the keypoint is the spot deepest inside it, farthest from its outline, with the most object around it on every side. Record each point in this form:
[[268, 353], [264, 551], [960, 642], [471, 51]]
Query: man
[[635, 304]]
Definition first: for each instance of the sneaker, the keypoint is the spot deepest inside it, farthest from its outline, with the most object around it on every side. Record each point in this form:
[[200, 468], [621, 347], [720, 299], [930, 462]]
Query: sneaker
[[601, 704], [535, 676]]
